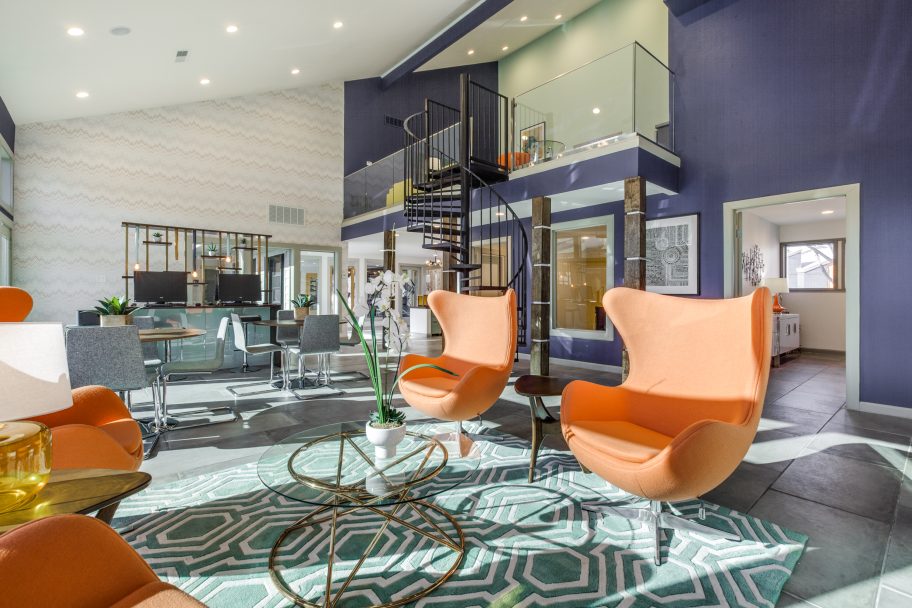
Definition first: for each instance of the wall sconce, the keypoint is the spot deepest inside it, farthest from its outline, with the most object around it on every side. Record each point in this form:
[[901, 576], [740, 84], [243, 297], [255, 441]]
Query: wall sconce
[[136, 266]]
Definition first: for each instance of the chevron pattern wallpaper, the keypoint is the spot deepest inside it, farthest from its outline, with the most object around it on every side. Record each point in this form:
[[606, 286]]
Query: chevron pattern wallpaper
[[215, 164]]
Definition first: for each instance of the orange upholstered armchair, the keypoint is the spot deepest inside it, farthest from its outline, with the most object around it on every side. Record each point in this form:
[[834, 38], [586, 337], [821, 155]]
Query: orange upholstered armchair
[[15, 304], [97, 432], [687, 413], [75, 560], [479, 345]]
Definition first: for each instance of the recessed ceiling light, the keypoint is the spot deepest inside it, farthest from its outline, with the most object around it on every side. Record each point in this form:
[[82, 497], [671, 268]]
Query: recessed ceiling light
[[500, 214], [827, 212], [82, 94], [338, 25], [524, 18], [585, 237], [295, 71], [75, 31], [557, 17], [505, 48], [231, 29], [204, 81], [471, 51], [120, 30], [596, 110]]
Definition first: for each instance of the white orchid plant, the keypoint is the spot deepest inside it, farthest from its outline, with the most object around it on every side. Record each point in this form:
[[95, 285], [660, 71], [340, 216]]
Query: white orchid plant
[[381, 293]]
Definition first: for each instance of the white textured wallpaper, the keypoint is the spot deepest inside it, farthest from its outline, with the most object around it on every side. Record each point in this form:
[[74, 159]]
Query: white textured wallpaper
[[215, 164]]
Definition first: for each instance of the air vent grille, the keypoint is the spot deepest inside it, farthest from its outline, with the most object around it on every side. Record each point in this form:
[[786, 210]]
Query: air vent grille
[[181, 56], [393, 121], [286, 215]]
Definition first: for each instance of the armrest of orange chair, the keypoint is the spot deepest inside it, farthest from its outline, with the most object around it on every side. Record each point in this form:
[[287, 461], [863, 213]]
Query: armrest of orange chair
[[583, 400], [82, 446], [95, 405], [71, 560]]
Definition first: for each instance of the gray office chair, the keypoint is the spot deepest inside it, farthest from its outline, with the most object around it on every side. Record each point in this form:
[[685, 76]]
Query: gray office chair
[[151, 356], [320, 336], [353, 340], [113, 357], [196, 368], [237, 328]]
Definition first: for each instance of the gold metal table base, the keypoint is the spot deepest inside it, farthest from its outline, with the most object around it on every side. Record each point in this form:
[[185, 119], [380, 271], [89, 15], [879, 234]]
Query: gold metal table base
[[455, 543]]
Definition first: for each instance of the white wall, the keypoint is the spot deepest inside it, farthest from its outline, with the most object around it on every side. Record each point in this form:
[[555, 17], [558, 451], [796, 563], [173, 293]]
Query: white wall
[[605, 27], [823, 315], [215, 164], [757, 231]]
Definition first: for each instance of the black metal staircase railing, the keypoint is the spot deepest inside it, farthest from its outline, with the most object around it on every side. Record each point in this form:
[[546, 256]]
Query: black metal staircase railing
[[449, 197]]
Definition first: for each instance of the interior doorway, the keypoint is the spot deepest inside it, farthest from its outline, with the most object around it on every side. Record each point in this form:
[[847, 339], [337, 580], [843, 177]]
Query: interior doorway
[[276, 270], [811, 240]]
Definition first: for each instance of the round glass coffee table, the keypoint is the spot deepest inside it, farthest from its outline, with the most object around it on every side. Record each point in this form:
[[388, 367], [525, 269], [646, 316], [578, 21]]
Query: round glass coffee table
[[333, 468]]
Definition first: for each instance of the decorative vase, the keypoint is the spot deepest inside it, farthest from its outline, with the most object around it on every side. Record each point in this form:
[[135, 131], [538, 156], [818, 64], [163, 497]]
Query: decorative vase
[[25, 462], [114, 320], [300, 312], [384, 440]]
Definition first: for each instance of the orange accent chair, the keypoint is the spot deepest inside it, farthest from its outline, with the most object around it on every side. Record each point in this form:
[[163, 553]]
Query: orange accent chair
[[97, 432], [514, 160], [75, 560], [688, 411], [479, 345], [15, 304]]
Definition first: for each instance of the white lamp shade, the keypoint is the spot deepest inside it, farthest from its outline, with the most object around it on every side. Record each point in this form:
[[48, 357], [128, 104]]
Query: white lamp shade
[[776, 284], [34, 379]]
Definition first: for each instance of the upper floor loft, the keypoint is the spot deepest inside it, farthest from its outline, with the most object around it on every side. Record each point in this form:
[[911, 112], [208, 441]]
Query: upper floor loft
[[620, 101]]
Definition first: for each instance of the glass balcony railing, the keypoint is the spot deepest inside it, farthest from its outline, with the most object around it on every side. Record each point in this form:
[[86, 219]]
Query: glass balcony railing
[[624, 93]]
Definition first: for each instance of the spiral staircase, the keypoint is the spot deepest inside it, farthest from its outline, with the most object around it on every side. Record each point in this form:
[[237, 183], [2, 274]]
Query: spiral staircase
[[452, 159]]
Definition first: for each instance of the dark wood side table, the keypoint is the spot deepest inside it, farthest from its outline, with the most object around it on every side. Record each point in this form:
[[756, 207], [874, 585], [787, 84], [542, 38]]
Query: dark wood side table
[[543, 423], [78, 491]]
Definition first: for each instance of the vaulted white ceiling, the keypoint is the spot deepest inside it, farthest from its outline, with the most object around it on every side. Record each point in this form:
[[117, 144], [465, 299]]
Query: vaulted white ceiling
[[42, 67]]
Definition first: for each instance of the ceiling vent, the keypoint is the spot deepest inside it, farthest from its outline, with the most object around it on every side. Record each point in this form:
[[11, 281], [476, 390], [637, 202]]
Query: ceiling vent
[[181, 56]]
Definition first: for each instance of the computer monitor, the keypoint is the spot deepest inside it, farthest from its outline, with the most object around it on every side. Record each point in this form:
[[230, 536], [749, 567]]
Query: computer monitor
[[239, 287], [159, 287]]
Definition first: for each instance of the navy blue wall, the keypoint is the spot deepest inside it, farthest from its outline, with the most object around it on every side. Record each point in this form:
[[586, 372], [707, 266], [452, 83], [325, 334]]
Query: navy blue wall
[[367, 104], [7, 126], [777, 96]]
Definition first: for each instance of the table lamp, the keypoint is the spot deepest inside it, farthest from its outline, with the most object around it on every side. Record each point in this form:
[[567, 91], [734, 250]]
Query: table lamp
[[35, 381], [777, 285]]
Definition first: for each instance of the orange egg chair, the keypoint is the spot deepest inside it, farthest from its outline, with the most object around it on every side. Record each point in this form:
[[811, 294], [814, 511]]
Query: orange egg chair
[[97, 432], [479, 337], [688, 411], [75, 560], [15, 304]]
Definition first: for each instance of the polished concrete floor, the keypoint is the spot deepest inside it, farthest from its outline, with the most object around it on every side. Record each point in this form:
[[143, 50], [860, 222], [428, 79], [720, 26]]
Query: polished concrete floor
[[841, 477]]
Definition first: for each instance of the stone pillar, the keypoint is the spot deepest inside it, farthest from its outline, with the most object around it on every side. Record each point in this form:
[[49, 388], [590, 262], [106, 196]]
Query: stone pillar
[[634, 243], [539, 360]]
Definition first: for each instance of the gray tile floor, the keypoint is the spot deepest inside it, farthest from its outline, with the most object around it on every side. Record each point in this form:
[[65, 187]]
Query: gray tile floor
[[844, 478]]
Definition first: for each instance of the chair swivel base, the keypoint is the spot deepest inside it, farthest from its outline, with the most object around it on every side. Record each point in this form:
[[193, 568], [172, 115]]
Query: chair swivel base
[[658, 520]]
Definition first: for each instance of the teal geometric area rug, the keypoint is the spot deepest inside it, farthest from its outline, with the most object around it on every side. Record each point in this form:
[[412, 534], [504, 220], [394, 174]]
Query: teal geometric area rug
[[526, 544]]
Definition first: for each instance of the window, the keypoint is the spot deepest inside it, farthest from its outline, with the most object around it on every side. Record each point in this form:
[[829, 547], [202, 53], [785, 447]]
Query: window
[[5, 255], [814, 265], [582, 271]]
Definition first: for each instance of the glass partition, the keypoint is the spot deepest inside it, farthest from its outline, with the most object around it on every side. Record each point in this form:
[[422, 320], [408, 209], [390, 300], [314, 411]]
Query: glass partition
[[624, 93]]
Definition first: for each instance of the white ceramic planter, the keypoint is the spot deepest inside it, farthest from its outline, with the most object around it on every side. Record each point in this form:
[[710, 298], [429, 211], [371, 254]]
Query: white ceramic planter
[[300, 313], [115, 320], [385, 440]]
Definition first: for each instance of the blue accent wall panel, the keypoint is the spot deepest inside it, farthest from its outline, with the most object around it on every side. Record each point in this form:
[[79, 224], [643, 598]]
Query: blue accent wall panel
[[7, 126], [368, 137], [777, 96]]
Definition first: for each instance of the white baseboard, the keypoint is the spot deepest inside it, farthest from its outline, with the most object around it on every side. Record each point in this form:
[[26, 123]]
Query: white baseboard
[[600, 367], [886, 410]]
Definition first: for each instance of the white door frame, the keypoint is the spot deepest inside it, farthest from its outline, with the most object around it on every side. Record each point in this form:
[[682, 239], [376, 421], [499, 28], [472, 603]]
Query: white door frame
[[852, 195]]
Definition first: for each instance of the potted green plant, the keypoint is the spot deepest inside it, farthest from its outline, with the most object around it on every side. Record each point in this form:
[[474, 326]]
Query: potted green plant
[[386, 427], [211, 249], [302, 305], [157, 237], [115, 311]]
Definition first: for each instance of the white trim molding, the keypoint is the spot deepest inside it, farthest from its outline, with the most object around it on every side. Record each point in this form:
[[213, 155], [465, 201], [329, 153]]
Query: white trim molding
[[886, 410], [852, 195]]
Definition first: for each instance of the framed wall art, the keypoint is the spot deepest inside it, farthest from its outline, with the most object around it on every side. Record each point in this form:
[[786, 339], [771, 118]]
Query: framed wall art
[[673, 255]]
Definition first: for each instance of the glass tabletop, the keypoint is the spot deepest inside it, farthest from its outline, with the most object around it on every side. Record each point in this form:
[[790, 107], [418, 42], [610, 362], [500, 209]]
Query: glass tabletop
[[335, 465]]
